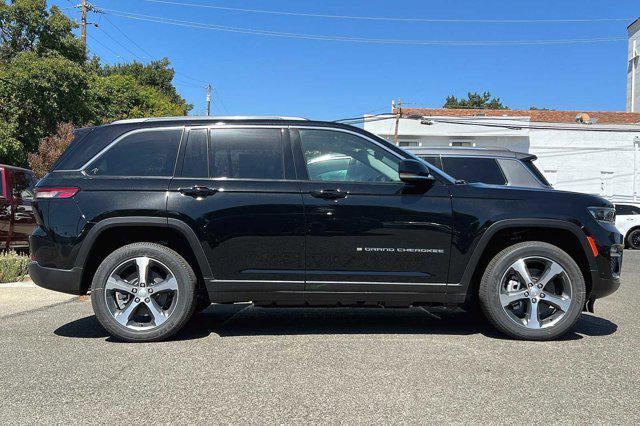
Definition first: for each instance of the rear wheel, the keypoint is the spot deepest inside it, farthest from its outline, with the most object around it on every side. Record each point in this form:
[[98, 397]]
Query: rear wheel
[[143, 292], [633, 239], [532, 290]]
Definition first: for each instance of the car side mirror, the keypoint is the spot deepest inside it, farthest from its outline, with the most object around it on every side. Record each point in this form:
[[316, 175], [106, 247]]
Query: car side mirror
[[415, 172]]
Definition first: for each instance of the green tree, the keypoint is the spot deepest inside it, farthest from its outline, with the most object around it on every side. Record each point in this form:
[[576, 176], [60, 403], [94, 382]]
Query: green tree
[[120, 96], [474, 101], [156, 74], [46, 79], [27, 25]]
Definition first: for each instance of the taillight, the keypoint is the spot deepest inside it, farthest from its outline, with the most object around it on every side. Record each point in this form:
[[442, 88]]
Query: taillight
[[56, 192]]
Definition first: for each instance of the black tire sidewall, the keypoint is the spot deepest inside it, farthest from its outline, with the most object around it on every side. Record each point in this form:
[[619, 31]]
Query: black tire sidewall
[[630, 239], [491, 280], [185, 304]]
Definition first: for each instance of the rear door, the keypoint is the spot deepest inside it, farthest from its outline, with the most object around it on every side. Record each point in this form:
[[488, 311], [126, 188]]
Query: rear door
[[235, 188], [5, 210], [22, 183], [366, 230]]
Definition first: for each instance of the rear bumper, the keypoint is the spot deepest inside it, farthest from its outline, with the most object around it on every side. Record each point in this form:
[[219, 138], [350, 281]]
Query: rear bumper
[[62, 280]]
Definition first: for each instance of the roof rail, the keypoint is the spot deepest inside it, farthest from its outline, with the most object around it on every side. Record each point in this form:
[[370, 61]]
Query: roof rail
[[206, 117]]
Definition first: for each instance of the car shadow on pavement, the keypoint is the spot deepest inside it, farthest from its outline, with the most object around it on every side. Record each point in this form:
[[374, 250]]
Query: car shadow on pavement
[[247, 320]]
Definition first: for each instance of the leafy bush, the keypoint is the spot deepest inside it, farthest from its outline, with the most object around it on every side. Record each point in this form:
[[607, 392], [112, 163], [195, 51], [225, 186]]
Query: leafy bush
[[50, 149], [13, 266]]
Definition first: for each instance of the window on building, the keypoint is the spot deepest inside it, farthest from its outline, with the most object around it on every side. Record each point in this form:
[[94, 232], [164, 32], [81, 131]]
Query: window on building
[[196, 162], [247, 153], [409, 144], [470, 169], [147, 153], [339, 156]]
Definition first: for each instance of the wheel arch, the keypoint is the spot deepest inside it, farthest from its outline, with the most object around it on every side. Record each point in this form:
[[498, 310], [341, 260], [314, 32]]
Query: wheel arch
[[138, 229], [501, 234]]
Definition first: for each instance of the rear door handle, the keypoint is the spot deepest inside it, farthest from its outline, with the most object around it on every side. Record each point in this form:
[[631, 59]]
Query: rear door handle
[[329, 194], [198, 191]]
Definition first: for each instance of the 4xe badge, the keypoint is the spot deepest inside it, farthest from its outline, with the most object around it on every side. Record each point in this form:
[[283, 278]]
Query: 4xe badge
[[400, 250]]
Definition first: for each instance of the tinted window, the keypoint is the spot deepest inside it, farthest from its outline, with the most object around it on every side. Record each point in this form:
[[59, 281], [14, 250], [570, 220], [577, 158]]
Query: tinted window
[[339, 156], [2, 183], [433, 160], [196, 158], [484, 170], [22, 184], [625, 210], [148, 153], [247, 153]]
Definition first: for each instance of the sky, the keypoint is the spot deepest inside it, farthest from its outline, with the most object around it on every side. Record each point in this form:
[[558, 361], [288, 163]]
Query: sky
[[326, 79]]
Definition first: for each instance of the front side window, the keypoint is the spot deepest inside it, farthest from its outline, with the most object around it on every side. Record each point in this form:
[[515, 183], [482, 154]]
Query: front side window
[[470, 169], [147, 153], [338, 156], [434, 160], [247, 154]]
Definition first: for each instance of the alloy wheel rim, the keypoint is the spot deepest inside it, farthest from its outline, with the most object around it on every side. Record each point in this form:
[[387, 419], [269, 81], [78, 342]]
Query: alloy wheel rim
[[535, 292], [141, 293], [635, 239]]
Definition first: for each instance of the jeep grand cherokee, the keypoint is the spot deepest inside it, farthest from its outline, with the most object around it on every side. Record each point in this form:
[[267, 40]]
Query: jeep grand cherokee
[[162, 217]]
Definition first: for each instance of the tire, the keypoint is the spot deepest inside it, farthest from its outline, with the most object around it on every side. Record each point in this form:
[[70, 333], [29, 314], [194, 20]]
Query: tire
[[167, 309], [548, 312], [633, 239]]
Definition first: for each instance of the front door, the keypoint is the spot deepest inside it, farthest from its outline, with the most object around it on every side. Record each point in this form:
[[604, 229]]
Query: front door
[[235, 188], [366, 230]]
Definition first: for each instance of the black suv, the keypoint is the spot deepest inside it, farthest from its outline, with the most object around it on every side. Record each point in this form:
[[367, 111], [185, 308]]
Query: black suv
[[492, 166], [161, 217]]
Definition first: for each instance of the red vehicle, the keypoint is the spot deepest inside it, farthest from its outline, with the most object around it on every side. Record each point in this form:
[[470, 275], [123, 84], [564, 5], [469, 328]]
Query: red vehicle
[[16, 215]]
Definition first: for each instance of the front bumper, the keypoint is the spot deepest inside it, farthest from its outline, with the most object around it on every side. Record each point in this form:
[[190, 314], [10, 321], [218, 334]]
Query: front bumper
[[62, 280]]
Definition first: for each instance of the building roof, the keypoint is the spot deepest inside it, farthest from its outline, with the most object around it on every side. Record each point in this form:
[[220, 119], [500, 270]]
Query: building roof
[[535, 115]]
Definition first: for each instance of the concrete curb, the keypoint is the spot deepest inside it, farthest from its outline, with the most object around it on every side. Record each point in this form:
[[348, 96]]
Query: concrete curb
[[25, 284]]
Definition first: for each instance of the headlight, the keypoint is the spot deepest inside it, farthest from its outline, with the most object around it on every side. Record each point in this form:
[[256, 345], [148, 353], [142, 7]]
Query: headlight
[[603, 214]]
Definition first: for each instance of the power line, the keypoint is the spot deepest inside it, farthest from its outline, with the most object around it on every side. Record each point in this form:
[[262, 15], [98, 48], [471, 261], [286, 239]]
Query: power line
[[191, 24], [148, 55], [382, 18], [105, 46]]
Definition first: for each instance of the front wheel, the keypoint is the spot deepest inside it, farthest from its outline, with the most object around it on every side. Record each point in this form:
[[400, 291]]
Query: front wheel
[[532, 291], [143, 292]]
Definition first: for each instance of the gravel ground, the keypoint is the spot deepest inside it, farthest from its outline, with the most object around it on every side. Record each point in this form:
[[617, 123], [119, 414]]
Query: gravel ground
[[240, 364]]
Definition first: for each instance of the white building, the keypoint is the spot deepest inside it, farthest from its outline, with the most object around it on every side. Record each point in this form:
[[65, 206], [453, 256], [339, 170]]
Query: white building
[[633, 76], [598, 158]]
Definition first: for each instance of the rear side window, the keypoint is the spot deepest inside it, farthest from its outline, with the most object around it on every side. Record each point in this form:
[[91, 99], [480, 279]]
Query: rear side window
[[247, 154], [147, 153], [22, 184], [196, 158], [483, 170], [627, 210]]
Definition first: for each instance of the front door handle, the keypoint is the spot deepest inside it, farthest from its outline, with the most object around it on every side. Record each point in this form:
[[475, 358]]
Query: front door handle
[[329, 194], [198, 191]]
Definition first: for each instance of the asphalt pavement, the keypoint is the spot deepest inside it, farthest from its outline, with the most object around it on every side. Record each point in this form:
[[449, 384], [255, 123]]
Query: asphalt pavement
[[241, 364]]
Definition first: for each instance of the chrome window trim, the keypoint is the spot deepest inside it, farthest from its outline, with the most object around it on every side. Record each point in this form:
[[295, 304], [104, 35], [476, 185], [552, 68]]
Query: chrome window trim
[[118, 139]]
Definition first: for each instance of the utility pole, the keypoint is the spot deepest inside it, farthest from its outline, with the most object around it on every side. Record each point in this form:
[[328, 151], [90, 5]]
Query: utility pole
[[398, 115], [209, 99], [83, 21]]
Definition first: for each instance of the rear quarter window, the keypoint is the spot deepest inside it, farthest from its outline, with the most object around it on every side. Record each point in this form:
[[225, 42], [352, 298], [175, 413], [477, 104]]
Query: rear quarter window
[[140, 154]]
